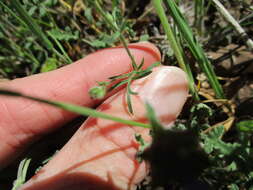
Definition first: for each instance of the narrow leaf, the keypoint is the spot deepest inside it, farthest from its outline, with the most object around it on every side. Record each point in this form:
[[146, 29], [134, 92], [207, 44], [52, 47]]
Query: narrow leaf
[[76, 109]]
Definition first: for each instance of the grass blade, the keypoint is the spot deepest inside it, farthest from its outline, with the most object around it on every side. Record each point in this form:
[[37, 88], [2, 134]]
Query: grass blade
[[199, 10], [32, 25], [175, 46], [12, 13], [155, 123], [195, 47], [74, 108], [61, 48], [22, 171]]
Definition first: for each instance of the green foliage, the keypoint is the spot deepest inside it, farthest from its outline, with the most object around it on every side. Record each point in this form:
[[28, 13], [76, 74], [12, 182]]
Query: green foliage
[[27, 29], [125, 79], [155, 123], [176, 47], [74, 108], [22, 171], [245, 126], [49, 65], [142, 147], [144, 37], [230, 161], [98, 92], [229, 166], [104, 40], [31, 24], [213, 142], [199, 116], [194, 47], [40, 36], [65, 35]]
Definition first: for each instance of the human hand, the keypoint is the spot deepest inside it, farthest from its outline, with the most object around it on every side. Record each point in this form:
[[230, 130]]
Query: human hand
[[22, 121], [102, 153]]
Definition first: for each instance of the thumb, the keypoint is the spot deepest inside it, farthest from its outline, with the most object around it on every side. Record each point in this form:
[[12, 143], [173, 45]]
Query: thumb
[[22, 120]]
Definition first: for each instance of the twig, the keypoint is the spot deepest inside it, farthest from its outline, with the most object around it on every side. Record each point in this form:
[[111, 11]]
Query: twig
[[229, 18]]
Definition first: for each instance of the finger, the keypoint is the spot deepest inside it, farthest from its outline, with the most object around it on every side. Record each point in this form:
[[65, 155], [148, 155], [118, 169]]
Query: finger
[[102, 153], [22, 120]]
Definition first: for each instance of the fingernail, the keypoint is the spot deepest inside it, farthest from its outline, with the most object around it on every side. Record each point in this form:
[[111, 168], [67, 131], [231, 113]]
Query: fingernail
[[166, 90]]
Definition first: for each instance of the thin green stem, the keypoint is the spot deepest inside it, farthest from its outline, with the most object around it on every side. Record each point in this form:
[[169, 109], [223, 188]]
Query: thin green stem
[[122, 39], [198, 15], [13, 14], [229, 18], [76, 109], [89, 112], [195, 47], [174, 45], [35, 28], [61, 48], [115, 29], [170, 35], [22, 172]]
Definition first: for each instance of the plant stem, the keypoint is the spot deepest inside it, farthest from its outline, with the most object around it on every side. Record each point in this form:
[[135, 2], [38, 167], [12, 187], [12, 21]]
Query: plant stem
[[174, 45], [35, 28], [61, 48], [198, 15], [116, 29], [170, 35], [195, 47], [229, 18], [76, 109]]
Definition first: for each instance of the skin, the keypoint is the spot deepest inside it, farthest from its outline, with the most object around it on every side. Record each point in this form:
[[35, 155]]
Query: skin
[[22, 122], [102, 153]]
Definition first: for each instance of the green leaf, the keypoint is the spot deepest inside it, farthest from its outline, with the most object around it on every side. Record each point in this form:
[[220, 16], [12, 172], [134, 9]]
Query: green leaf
[[31, 24], [200, 114], [63, 35], [88, 14], [128, 96], [245, 126], [32, 10], [75, 108], [141, 65], [118, 84], [110, 39], [22, 171], [143, 145], [156, 64], [142, 74], [97, 44], [49, 65], [233, 187], [155, 123], [202, 109], [176, 47], [213, 141], [144, 37], [120, 76], [231, 167], [194, 47], [104, 40]]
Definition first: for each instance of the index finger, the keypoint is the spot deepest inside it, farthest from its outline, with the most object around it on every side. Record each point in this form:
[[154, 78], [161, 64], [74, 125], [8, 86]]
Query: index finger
[[22, 120]]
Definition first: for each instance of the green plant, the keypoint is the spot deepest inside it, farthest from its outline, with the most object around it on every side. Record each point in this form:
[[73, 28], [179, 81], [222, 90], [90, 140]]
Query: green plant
[[39, 36], [192, 43]]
